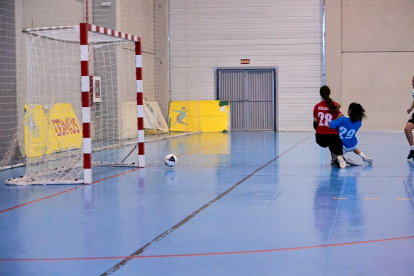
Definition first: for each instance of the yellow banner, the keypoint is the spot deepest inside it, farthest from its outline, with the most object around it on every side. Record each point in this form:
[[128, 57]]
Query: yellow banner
[[60, 130], [206, 116], [39, 137], [65, 125]]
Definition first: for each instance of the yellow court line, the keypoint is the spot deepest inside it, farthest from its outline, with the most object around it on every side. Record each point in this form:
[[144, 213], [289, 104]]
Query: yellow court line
[[403, 199]]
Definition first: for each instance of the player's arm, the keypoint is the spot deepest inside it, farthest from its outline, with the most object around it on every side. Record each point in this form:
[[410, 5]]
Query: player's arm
[[335, 123], [315, 119], [412, 104], [411, 107]]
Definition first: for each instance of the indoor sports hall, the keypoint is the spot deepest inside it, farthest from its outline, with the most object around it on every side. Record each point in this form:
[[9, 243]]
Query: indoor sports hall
[[176, 137]]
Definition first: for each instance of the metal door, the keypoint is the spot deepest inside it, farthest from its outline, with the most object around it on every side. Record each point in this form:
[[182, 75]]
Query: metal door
[[251, 94]]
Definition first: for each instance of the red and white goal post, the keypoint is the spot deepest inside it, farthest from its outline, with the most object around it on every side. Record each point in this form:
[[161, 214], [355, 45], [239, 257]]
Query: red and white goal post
[[56, 152]]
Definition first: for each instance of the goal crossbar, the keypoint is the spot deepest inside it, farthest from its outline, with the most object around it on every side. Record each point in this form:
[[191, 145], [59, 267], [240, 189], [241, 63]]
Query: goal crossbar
[[96, 34]]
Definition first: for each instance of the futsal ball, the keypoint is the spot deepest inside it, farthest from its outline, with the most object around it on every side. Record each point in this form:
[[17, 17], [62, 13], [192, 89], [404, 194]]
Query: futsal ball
[[170, 160]]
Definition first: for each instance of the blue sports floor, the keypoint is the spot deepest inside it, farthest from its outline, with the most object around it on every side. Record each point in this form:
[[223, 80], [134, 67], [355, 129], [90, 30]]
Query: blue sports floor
[[260, 203]]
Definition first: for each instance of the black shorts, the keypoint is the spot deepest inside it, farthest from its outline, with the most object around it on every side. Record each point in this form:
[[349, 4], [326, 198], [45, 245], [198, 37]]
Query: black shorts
[[411, 120], [330, 140]]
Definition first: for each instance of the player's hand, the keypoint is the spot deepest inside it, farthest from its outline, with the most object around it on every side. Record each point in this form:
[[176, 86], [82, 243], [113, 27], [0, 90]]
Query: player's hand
[[409, 110], [413, 81]]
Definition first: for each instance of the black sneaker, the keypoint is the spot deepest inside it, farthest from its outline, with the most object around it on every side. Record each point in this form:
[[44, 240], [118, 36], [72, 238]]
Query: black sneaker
[[411, 155]]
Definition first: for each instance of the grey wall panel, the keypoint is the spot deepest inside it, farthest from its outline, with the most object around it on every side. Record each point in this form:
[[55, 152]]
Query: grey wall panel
[[8, 80], [104, 16], [161, 50], [105, 115]]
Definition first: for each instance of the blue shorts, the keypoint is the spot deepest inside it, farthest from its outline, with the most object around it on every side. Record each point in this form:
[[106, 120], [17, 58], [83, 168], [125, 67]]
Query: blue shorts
[[346, 150]]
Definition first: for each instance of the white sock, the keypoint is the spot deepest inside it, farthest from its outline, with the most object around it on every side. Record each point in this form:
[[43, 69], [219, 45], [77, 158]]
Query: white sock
[[362, 155], [412, 148]]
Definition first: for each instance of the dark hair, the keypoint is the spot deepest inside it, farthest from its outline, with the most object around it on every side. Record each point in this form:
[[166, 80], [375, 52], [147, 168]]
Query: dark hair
[[325, 91], [356, 112]]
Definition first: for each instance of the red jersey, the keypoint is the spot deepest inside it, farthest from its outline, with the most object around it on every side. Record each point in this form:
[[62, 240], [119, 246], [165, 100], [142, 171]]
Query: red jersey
[[321, 112]]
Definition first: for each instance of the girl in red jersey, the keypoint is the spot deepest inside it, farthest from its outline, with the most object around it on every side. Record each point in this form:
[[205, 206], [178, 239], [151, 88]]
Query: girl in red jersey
[[323, 113]]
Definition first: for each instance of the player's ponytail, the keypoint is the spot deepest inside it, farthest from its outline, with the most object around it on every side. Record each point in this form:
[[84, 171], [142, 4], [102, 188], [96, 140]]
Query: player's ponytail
[[325, 92], [356, 112]]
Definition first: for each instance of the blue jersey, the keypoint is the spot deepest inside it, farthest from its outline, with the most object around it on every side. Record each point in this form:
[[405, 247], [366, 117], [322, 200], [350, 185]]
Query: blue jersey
[[347, 131]]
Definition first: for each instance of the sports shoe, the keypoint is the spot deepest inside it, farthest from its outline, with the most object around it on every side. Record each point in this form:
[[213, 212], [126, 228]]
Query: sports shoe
[[351, 162], [340, 162], [369, 160], [333, 162], [411, 155]]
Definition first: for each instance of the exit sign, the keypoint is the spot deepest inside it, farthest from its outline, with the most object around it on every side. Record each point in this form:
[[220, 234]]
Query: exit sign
[[245, 61]]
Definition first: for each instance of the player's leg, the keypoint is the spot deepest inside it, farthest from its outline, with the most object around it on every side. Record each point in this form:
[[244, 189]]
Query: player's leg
[[362, 155], [333, 159], [349, 161], [409, 127], [335, 146]]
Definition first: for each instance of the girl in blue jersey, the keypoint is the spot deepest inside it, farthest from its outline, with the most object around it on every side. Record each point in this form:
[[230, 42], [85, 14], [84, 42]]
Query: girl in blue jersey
[[347, 129]]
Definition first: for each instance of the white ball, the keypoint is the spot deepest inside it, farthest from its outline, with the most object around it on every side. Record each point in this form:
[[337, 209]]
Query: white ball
[[170, 160]]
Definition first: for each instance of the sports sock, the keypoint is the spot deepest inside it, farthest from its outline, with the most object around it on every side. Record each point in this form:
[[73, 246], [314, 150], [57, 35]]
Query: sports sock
[[412, 148], [362, 155]]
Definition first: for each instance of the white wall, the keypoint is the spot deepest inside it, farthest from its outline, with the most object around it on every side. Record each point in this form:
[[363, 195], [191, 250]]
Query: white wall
[[370, 58], [218, 33]]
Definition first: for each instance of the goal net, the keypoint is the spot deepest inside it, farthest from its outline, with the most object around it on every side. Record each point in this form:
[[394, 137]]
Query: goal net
[[83, 98]]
